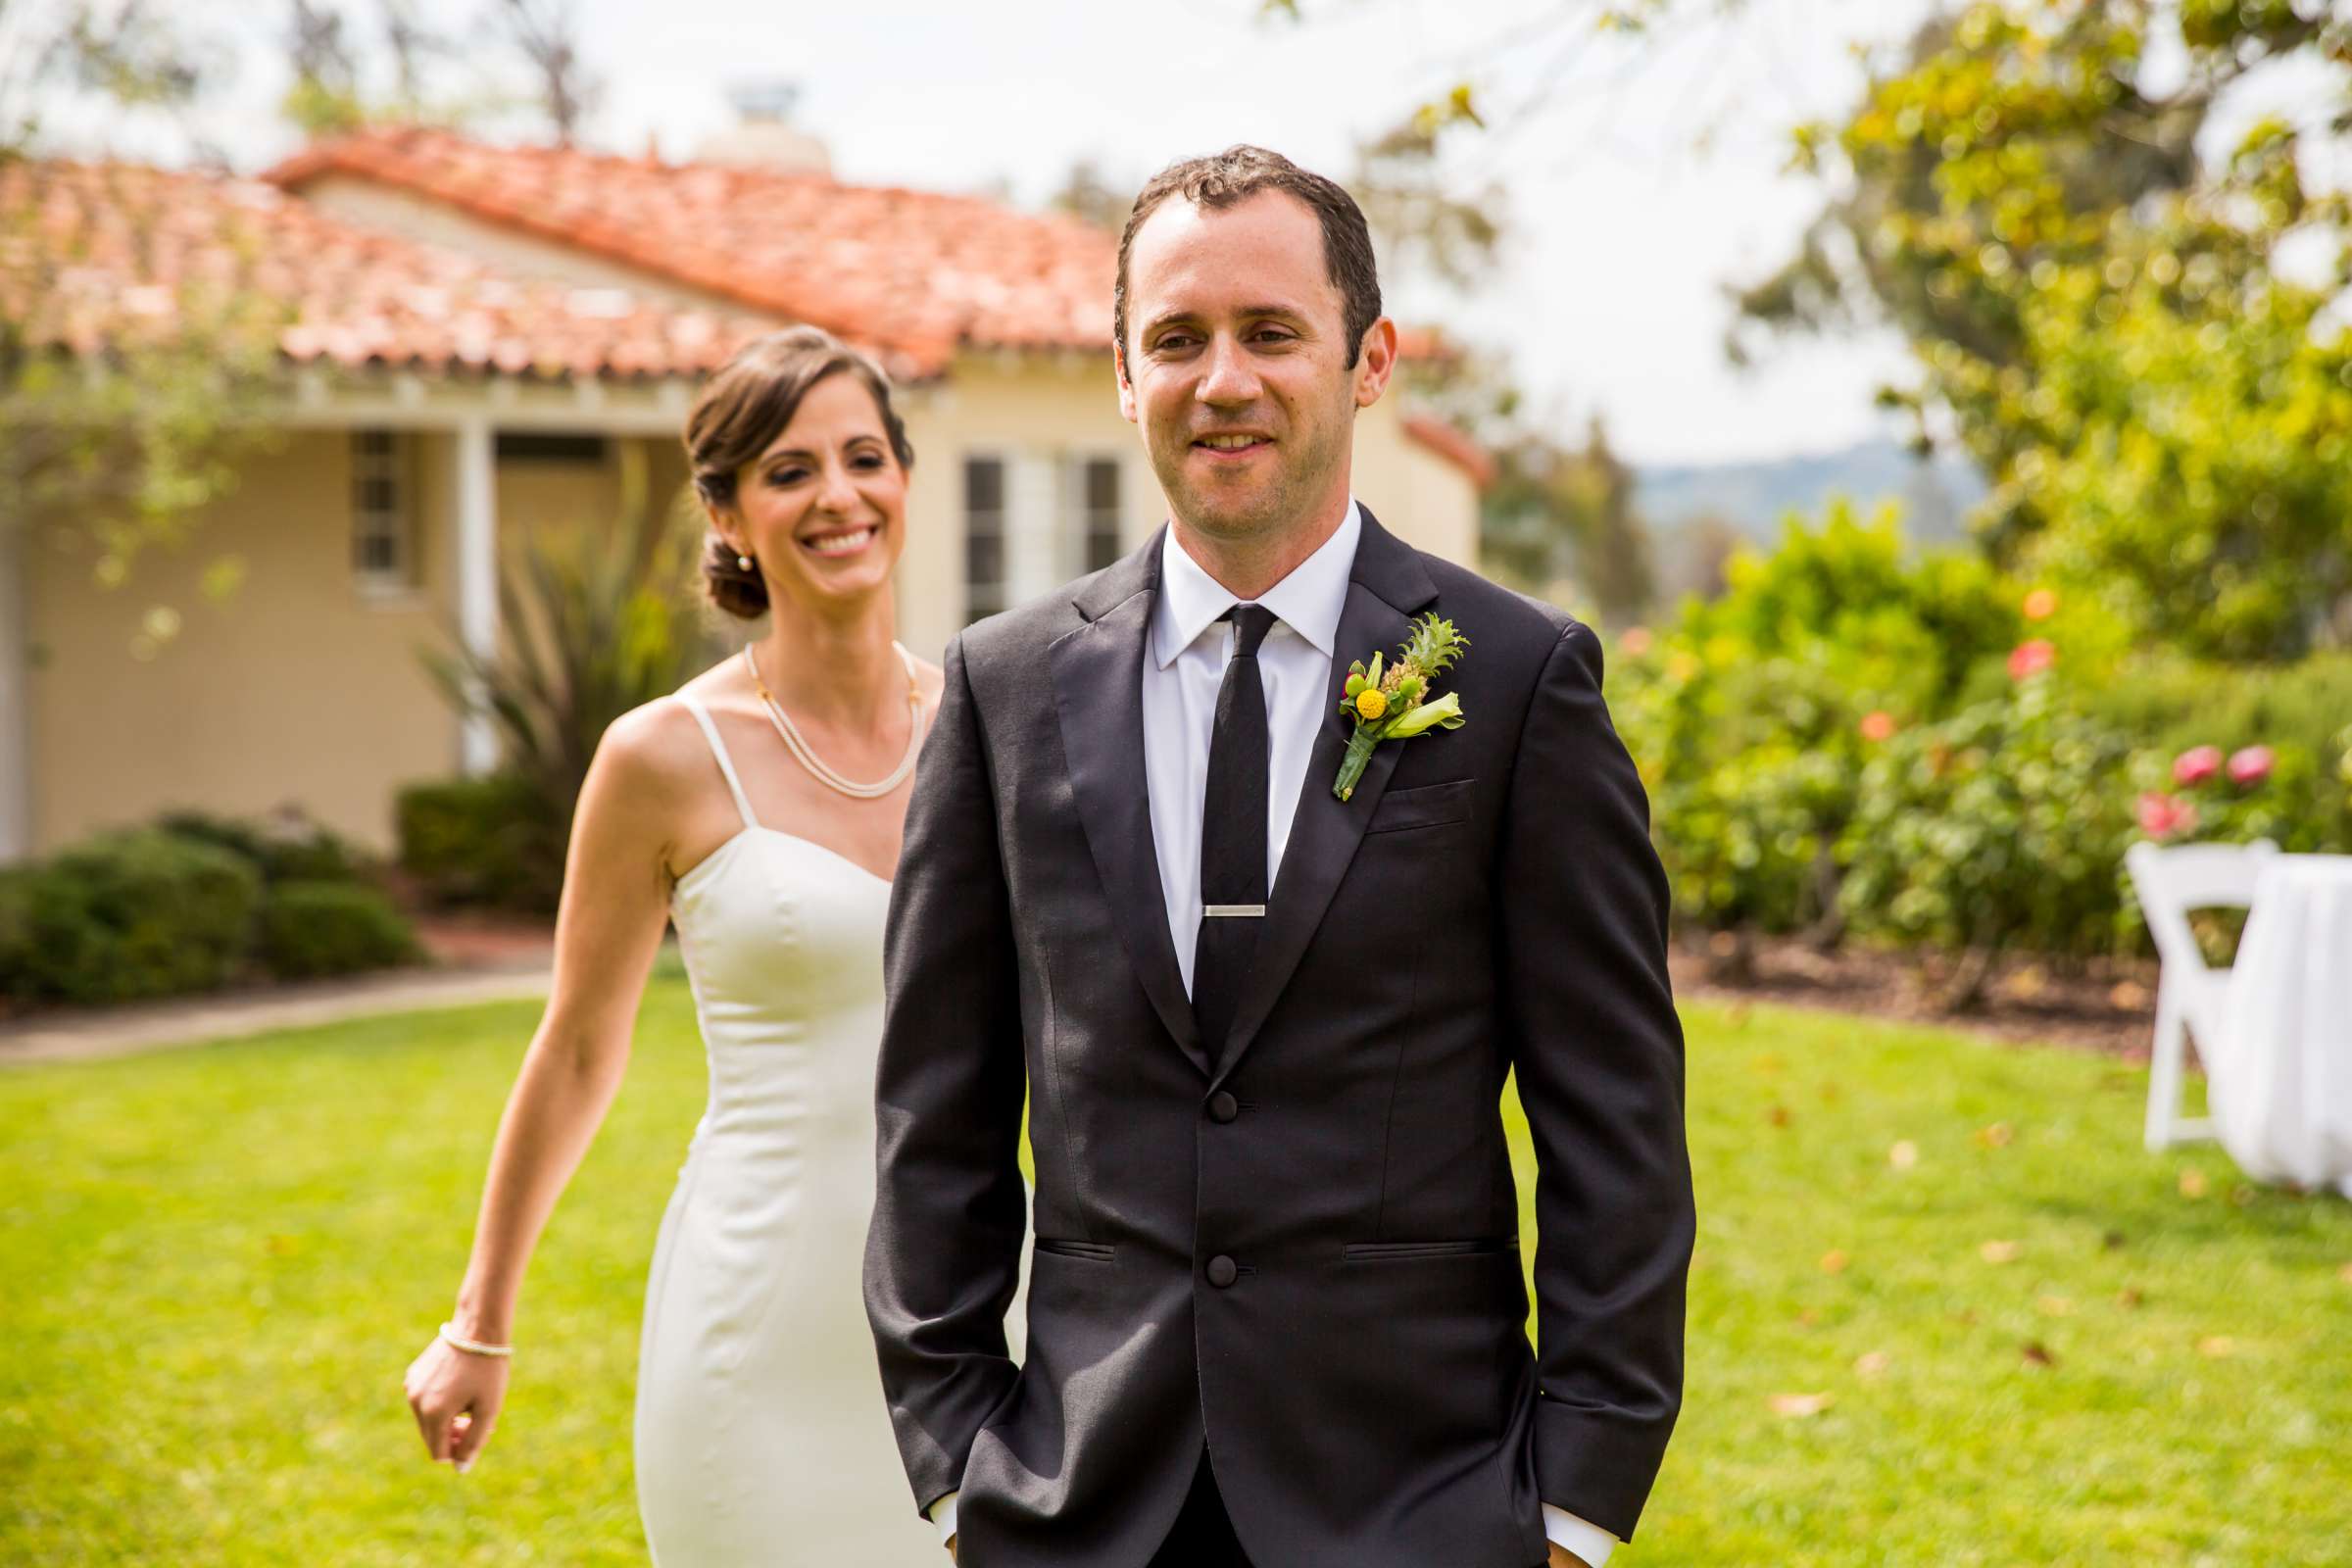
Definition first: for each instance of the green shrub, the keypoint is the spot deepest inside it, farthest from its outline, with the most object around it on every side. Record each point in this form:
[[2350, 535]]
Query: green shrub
[[16, 934], [492, 840], [308, 929], [127, 916], [2302, 712], [1751, 718], [285, 847], [2004, 826]]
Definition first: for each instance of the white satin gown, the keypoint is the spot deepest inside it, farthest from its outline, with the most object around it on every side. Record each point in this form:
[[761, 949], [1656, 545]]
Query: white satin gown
[[761, 1433]]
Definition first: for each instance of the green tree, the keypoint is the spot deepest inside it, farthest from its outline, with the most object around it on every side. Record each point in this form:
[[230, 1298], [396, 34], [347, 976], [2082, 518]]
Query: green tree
[[2097, 307], [112, 438]]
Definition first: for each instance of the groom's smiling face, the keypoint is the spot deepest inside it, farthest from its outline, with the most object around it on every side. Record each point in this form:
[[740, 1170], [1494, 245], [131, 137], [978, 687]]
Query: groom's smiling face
[[1236, 367]]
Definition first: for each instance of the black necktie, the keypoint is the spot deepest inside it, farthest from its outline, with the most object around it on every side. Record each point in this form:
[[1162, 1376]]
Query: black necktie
[[1233, 836]]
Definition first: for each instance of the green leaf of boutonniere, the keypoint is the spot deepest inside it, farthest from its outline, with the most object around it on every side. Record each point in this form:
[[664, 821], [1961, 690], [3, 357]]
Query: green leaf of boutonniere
[[1389, 704]]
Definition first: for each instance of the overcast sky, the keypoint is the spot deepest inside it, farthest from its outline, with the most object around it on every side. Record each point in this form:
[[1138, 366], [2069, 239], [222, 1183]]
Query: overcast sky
[[1612, 295]]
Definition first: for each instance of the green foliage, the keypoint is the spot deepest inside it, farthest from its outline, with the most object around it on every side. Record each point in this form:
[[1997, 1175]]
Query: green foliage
[[596, 620], [485, 839], [108, 454], [2302, 712], [2000, 826], [313, 929], [128, 915], [2099, 308], [1560, 517], [285, 848], [1752, 717]]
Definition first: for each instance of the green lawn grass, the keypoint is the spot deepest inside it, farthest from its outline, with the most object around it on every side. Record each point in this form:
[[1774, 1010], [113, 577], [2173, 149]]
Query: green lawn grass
[[219, 1262]]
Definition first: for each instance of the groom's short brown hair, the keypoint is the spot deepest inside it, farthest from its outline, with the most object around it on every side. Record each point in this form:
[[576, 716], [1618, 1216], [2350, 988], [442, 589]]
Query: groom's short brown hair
[[1240, 172]]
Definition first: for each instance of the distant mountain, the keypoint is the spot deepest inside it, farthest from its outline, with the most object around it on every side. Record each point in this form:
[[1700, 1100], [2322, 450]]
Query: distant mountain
[[1754, 497]]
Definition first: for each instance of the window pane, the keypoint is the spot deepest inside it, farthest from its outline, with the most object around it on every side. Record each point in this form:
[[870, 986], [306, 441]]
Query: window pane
[[983, 484], [1102, 546], [1103, 485]]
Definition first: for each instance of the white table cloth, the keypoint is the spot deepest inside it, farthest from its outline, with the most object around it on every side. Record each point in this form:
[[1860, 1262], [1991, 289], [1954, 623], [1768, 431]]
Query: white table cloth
[[2280, 1080]]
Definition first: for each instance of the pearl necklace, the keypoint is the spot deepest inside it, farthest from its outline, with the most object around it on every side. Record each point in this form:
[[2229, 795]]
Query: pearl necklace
[[807, 757]]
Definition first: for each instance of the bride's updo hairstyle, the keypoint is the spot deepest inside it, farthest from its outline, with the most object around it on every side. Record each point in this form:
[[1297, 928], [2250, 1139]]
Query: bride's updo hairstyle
[[741, 410]]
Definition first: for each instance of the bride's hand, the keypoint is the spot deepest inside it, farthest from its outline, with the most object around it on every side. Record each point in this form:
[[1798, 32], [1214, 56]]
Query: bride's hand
[[456, 1397]]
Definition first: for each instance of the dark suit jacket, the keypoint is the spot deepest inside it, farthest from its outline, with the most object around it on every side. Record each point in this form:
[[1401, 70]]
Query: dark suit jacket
[[1488, 899]]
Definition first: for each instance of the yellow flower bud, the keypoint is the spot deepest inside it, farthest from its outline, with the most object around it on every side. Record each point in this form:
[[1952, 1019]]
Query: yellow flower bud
[[1371, 701]]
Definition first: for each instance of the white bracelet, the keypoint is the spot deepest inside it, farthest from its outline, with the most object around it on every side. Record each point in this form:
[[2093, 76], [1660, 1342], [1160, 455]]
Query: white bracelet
[[451, 1336]]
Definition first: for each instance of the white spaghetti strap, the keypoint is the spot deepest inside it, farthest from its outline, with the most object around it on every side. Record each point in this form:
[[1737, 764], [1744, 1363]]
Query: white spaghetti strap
[[719, 749]]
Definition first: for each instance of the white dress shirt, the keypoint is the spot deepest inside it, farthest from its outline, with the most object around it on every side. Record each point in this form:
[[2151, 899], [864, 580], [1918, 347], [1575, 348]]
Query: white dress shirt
[[1184, 666]]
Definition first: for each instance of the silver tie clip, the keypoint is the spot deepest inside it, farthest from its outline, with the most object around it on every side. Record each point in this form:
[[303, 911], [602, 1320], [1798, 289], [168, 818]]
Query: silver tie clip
[[1223, 911]]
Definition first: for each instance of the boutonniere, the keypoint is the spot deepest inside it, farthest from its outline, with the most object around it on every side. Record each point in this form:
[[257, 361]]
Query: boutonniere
[[1389, 705]]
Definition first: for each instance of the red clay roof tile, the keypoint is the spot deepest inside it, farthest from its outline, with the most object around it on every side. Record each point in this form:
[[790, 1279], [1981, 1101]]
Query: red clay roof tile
[[94, 257]]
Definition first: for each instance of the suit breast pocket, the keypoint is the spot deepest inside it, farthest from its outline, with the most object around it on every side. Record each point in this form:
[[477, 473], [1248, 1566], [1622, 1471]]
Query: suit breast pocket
[[1424, 805]]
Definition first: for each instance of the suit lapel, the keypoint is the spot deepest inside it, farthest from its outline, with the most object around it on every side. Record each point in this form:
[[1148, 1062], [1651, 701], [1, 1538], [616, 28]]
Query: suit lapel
[[1097, 689], [1385, 587]]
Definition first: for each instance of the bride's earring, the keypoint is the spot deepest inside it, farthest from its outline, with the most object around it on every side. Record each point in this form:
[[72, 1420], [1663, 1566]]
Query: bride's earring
[[743, 562]]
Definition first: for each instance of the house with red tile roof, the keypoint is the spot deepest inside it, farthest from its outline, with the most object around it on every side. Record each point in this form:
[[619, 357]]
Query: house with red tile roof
[[476, 341]]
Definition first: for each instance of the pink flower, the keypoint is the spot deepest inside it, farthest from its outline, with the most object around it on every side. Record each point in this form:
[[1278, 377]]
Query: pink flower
[[2032, 657], [1877, 725], [2196, 764], [2041, 603], [1636, 641], [2163, 816], [2250, 765]]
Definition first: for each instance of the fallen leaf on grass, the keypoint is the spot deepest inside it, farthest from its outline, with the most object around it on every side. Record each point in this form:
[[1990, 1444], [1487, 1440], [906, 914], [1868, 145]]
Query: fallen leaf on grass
[[1999, 1252], [1873, 1364], [1778, 1115], [2113, 1240], [2039, 1354], [1808, 1317], [1903, 1156], [1997, 1135], [2056, 1306], [2242, 1194], [2345, 1273], [2128, 1296], [1797, 1406], [1834, 1262], [2216, 1346], [2192, 1183]]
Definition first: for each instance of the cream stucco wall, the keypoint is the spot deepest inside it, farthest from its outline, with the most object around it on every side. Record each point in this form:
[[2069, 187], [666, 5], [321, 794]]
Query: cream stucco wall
[[297, 687], [303, 688]]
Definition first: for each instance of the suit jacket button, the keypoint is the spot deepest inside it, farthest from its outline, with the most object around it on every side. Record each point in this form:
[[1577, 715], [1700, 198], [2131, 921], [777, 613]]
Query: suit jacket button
[[1222, 1106], [1222, 1271]]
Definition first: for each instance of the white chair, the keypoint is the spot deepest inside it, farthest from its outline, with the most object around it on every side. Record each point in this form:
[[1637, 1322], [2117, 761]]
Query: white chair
[[2191, 996]]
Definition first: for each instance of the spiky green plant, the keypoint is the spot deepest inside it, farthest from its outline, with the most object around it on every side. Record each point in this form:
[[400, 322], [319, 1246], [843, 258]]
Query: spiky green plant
[[1387, 704], [596, 621]]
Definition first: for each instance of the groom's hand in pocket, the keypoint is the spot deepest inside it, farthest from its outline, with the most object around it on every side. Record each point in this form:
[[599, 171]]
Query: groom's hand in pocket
[[456, 1397], [1562, 1557]]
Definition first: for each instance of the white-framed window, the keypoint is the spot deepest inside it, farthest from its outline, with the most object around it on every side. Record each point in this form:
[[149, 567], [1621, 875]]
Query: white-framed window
[[383, 524], [985, 561], [1094, 514]]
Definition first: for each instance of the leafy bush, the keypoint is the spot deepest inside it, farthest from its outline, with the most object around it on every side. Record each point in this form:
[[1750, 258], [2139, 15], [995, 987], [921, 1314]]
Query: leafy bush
[[127, 916], [1999, 827], [2300, 714], [596, 619], [1753, 717], [488, 840], [284, 847], [308, 929]]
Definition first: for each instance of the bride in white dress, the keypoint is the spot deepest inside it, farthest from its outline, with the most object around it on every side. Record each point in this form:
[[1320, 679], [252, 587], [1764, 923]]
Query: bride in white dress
[[761, 812]]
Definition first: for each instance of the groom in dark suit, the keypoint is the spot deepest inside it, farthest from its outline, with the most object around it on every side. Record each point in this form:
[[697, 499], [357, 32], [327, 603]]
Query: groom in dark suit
[[1276, 1312]]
